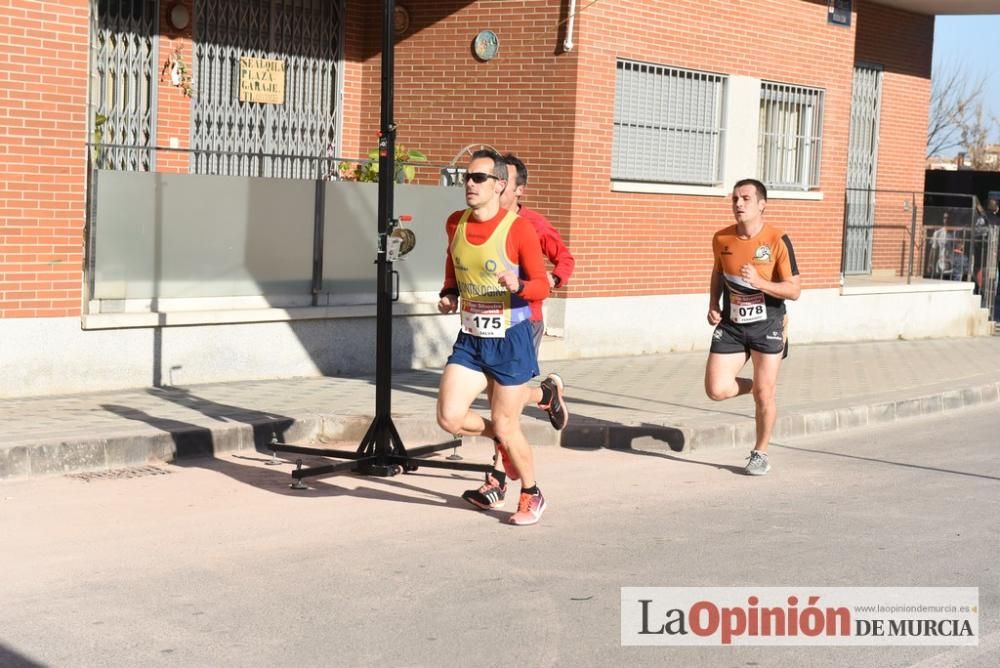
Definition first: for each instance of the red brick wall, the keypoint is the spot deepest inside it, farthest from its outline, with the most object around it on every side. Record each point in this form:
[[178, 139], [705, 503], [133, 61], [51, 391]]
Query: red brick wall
[[630, 244], [900, 43], [521, 101], [360, 119], [43, 122], [886, 37], [554, 109], [173, 117], [627, 244]]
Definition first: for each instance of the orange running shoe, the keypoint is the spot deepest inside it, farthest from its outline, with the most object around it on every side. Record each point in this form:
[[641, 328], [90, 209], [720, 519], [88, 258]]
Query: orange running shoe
[[529, 509]]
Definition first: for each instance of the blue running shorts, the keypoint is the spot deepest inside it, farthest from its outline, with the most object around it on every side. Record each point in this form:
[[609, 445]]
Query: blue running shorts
[[510, 360]]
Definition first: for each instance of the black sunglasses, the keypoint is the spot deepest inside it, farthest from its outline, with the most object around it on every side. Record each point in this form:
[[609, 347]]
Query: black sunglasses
[[479, 177]]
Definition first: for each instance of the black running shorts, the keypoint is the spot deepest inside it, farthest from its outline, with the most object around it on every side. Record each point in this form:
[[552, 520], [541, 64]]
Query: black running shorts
[[764, 337]]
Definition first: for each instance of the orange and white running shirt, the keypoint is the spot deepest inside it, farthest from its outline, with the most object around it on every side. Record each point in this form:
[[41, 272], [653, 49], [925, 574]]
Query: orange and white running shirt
[[770, 252]]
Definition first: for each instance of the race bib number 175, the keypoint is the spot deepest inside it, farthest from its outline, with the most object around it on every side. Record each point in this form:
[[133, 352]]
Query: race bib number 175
[[483, 319]]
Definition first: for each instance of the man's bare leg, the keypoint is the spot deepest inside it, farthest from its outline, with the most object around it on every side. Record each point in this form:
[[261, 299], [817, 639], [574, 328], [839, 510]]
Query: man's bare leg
[[506, 406], [458, 389], [534, 396], [765, 380], [508, 401], [721, 382]]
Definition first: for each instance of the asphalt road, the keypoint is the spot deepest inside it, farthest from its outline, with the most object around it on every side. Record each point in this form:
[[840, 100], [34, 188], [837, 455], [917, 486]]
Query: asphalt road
[[218, 563]]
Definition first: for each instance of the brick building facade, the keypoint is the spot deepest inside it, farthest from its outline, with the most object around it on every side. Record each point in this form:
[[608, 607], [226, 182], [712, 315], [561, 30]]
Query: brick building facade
[[642, 245]]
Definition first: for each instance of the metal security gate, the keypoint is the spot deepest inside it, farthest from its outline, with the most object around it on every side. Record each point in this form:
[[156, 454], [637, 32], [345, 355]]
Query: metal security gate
[[862, 154], [123, 95], [260, 139]]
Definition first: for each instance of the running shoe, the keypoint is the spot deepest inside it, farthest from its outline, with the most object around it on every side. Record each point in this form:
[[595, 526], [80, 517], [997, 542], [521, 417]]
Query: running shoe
[[529, 509], [489, 495], [757, 464], [508, 463], [556, 407]]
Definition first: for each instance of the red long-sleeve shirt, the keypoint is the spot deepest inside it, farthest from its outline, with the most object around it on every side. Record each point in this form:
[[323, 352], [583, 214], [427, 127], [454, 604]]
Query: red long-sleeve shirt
[[552, 244], [522, 247]]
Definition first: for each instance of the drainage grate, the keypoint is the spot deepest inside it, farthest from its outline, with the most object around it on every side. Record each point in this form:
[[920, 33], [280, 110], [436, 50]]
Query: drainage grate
[[119, 474]]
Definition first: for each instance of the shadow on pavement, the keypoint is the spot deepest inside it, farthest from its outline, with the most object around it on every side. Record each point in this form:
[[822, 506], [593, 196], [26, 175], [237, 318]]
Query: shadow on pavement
[[425, 383], [594, 433], [11, 659], [884, 461], [195, 446], [278, 479], [644, 440]]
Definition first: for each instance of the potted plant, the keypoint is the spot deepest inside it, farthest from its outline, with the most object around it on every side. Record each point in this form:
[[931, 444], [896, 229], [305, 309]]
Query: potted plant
[[367, 171]]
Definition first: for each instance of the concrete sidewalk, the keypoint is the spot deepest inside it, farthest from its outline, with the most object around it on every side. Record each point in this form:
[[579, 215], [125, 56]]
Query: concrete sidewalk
[[654, 401]]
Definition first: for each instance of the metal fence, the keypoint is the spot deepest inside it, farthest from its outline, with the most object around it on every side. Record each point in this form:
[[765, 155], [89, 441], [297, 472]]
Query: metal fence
[[909, 236], [156, 240]]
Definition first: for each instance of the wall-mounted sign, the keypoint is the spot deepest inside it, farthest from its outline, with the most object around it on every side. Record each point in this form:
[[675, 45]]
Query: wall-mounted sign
[[400, 19], [262, 80], [839, 12], [485, 45]]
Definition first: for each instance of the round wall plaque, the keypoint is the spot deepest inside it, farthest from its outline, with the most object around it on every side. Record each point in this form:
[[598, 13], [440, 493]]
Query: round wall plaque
[[400, 19], [179, 16], [486, 45]]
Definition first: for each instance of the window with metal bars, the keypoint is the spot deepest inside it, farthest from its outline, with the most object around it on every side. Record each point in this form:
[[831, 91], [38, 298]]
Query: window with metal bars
[[123, 74], [667, 124], [294, 139], [791, 135]]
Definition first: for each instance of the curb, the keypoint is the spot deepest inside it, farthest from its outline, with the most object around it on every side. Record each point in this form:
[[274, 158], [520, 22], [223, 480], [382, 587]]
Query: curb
[[20, 461], [690, 437]]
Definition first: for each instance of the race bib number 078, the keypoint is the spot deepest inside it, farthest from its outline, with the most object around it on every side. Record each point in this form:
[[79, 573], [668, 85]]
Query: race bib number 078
[[747, 308]]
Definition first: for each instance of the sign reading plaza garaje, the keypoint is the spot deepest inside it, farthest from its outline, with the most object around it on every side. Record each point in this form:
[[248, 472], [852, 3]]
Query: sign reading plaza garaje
[[262, 80], [872, 616]]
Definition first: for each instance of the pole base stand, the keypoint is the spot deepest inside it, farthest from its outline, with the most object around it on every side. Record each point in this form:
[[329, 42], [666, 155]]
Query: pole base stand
[[378, 470]]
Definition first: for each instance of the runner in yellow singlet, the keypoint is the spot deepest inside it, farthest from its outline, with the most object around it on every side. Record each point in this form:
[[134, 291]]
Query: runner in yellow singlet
[[494, 271]]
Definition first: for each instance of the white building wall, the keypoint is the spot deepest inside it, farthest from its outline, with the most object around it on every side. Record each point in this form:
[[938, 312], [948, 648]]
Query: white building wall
[[55, 356]]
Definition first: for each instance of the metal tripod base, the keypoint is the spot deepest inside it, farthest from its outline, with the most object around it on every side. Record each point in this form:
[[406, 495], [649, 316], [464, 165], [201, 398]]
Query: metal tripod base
[[380, 454], [378, 470]]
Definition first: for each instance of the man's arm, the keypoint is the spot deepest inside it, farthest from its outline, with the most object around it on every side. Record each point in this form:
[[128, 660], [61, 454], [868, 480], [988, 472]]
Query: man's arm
[[788, 288], [553, 246], [449, 291], [714, 295], [560, 257], [788, 285], [522, 243]]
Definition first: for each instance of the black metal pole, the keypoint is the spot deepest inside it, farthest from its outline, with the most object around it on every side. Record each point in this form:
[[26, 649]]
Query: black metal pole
[[913, 235], [843, 237], [319, 222], [376, 455], [386, 181]]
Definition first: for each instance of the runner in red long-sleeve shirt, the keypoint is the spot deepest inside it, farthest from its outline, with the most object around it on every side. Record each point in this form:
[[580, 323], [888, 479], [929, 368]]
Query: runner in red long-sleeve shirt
[[495, 276]]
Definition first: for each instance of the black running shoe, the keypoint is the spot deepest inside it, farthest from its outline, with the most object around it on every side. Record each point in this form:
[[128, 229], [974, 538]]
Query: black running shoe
[[489, 495], [556, 408]]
